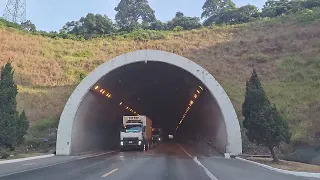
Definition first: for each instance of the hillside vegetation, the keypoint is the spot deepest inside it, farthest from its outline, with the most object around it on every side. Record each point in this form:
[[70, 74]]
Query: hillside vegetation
[[285, 51]]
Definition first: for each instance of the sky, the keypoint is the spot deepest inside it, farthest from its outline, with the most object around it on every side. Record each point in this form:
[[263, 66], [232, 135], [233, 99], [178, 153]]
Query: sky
[[51, 15]]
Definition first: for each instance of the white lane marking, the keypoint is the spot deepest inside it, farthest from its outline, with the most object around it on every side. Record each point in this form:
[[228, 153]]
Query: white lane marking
[[37, 168], [195, 159], [28, 164], [185, 151], [107, 174], [95, 155], [26, 159], [211, 176]]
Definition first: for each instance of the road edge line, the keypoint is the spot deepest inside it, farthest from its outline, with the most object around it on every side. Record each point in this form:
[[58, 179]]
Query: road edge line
[[26, 159], [95, 155], [296, 173], [26, 170], [185, 151], [195, 159]]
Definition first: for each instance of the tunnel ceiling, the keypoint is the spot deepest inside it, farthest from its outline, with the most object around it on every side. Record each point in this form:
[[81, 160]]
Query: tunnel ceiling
[[158, 90]]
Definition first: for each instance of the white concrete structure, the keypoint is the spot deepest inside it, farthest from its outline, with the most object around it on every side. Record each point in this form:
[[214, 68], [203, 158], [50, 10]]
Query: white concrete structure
[[226, 136]]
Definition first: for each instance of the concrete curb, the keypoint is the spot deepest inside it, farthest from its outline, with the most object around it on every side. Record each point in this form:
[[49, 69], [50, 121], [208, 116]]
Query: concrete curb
[[26, 159], [302, 174]]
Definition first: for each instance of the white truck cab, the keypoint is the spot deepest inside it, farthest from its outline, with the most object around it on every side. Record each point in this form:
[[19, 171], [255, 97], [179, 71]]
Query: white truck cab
[[136, 132]]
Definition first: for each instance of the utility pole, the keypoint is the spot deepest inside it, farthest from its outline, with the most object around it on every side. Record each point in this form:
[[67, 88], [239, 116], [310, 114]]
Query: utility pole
[[15, 11]]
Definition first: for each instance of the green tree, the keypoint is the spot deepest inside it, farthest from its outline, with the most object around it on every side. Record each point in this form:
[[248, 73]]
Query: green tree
[[90, 26], [213, 8], [246, 13], [185, 22], [263, 124], [273, 8], [29, 26], [311, 4], [13, 126], [131, 13], [158, 25]]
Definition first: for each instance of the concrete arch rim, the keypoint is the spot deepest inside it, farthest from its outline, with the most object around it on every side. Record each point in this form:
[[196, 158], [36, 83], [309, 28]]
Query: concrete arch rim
[[67, 118]]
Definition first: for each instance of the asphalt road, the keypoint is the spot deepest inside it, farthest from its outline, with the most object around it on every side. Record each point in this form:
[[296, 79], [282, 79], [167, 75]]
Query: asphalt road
[[164, 162]]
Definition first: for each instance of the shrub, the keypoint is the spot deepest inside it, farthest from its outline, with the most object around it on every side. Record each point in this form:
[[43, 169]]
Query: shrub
[[4, 154], [308, 15], [178, 29]]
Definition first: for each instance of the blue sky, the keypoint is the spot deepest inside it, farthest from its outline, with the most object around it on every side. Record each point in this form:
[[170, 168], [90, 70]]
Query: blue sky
[[53, 14]]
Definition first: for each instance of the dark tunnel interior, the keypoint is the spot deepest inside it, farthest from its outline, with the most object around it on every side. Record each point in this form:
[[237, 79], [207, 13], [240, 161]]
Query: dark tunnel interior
[[161, 91]]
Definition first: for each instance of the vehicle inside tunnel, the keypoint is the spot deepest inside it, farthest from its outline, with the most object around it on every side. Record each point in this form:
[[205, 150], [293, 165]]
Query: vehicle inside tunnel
[[172, 97]]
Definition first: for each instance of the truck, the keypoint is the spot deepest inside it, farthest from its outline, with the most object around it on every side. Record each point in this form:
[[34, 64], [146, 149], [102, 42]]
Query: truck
[[136, 133]]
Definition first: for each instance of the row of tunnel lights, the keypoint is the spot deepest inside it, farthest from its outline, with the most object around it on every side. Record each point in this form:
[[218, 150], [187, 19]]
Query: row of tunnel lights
[[108, 95], [191, 102]]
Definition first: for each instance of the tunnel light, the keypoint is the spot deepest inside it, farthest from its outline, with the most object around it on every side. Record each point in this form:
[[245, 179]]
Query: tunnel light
[[191, 102], [127, 107], [200, 87], [195, 96], [96, 87], [109, 95], [120, 103], [198, 91], [101, 90]]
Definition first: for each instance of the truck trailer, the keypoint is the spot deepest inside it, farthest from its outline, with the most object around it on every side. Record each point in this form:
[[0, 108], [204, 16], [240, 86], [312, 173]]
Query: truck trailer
[[136, 133]]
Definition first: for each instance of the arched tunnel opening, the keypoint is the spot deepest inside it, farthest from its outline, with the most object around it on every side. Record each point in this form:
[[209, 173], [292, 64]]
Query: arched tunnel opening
[[174, 98]]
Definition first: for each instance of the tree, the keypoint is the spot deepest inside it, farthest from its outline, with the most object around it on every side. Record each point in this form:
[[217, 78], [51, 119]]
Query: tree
[[29, 26], [158, 25], [89, 26], [274, 8], [13, 126], [246, 13], [311, 4], [130, 13], [214, 7], [243, 14], [185, 22], [263, 123]]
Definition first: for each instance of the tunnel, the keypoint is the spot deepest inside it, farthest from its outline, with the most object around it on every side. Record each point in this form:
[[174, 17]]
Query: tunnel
[[175, 93]]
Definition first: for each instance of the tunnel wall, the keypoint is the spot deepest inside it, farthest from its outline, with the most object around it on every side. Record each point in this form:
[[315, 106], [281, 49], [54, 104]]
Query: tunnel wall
[[68, 116], [93, 128], [213, 131]]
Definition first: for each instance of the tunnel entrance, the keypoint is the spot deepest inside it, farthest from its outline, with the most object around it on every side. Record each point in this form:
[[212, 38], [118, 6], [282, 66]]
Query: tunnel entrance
[[174, 92]]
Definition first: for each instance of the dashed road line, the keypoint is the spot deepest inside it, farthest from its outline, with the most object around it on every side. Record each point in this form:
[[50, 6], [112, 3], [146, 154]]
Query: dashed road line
[[107, 174], [28, 164]]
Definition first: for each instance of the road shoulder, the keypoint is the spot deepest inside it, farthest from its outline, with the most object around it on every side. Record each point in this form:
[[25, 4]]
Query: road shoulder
[[301, 174]]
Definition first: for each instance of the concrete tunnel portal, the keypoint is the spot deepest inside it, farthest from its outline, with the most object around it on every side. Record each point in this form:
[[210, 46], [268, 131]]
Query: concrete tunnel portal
[[176, 93]]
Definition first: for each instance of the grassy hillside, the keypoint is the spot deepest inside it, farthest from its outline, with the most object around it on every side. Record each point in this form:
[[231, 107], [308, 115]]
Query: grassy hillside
[[285, 51]]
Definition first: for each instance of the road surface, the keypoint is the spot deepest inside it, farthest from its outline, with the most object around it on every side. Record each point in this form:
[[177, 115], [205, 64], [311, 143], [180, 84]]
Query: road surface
[[164, 162]]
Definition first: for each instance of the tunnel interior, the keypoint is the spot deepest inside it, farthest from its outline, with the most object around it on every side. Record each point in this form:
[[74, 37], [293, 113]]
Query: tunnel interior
[[170, 96]]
